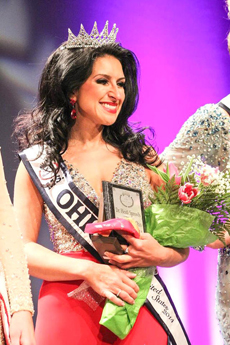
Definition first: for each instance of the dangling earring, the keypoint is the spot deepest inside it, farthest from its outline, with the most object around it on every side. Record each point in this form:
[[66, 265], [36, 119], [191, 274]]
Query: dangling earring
[[73, 113]]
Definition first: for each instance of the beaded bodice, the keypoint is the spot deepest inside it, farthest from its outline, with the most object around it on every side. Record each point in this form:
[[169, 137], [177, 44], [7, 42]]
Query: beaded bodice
[[205, 134], [126, 173]]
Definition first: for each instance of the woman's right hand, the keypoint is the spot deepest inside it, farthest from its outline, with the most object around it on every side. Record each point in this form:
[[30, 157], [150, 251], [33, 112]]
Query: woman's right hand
[[113, 283]]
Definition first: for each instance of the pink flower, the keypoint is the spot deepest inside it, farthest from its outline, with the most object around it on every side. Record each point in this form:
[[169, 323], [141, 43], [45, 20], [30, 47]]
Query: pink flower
[[173, 171], [186, 193], [208, 175]]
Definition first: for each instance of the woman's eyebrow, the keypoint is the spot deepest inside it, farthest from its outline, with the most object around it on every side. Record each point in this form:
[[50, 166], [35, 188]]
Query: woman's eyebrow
[[107, 76]]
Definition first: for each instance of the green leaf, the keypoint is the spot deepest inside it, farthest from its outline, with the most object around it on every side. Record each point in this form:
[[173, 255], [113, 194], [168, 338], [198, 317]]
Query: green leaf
[[188, 169], [227, 226], [163, 175], [167, 170], [161, 196]]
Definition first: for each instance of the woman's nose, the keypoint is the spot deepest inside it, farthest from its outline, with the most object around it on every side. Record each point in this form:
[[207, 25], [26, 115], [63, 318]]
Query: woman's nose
[[115, 92]]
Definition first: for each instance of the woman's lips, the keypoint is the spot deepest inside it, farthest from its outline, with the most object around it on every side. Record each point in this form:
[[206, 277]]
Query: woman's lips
[[109, 106]]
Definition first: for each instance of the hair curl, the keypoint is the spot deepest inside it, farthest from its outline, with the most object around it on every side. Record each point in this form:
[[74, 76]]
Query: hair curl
[[50, 122]]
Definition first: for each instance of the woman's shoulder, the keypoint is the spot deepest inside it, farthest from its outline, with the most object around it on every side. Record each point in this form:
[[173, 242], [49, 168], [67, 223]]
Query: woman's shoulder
[[205, 133], [208, 120], [207, 115], [154, 179]]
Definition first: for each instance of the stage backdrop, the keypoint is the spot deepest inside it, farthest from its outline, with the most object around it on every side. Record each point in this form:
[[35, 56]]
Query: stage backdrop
[[182, 49]]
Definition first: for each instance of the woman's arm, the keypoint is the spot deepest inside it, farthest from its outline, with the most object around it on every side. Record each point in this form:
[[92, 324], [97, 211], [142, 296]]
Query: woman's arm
[[15, 268], [45, 264]]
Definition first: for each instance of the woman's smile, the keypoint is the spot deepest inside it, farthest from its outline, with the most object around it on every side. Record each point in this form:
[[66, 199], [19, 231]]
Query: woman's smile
[[110, 107]]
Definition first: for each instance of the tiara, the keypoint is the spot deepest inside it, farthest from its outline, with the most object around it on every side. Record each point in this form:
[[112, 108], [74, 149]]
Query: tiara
[[95, 39]]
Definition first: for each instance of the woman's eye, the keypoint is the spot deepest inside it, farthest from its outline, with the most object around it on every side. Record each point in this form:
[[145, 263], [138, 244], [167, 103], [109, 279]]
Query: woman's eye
[[102, 81], [121, 84]]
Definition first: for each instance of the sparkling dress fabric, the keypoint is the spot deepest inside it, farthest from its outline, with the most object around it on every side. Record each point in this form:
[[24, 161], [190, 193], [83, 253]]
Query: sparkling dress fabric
[[12, 256], [65, 320], [207, 134]]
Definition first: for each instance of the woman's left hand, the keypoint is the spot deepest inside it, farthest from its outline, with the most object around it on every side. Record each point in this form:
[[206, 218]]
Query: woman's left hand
[[219, 244], [145, 252], [142, 252], [22, 328]]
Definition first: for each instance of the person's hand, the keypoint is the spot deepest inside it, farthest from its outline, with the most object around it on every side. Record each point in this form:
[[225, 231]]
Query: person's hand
[[218, 244], [142, 252], [113, 283], [22, 328]]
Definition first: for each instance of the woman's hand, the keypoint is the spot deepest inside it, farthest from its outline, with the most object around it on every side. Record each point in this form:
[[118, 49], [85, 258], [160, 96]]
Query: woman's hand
[[145, 252], [113, 283], [22, 328], [218, 244]]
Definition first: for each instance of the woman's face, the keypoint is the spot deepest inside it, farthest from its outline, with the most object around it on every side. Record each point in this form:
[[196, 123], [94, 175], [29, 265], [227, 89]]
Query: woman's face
[[101, 97]]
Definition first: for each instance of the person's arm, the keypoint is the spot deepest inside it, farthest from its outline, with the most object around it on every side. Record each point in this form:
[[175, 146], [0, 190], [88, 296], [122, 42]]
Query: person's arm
[[15, 268], [45, 264]]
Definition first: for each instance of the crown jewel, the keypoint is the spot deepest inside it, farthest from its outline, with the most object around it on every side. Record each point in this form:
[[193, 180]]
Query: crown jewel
[[95, 39]]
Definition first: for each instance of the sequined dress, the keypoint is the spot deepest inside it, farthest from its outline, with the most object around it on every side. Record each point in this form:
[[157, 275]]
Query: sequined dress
[[207, 134], [64, 320], [13, 260]]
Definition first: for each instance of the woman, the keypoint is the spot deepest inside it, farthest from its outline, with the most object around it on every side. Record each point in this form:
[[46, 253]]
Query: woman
[[206, 134], [14, 266], [77, 137]]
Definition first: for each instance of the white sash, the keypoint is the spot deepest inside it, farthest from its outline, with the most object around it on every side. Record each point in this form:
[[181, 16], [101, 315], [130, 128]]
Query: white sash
[[73, 210], [159, 302], [69, 205], [225, 103]]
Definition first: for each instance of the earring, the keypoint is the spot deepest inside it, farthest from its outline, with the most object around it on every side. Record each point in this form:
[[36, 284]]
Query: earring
[[73, 113]]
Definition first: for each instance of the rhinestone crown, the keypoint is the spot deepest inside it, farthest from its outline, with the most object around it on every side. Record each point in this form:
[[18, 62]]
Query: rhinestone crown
[[95, 39]]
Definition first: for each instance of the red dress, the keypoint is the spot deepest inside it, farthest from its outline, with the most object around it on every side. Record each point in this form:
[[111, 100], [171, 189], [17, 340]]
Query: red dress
[[63, 320]]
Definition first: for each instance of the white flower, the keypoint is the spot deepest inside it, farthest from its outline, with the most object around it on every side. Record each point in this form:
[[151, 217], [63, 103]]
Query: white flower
[[209, 175]]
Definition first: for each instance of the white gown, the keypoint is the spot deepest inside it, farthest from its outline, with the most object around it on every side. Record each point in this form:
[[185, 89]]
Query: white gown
[[207, 134]]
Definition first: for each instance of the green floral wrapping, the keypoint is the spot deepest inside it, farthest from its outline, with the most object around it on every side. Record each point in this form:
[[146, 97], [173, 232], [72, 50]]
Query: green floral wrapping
[[179, 227], [120, 320]]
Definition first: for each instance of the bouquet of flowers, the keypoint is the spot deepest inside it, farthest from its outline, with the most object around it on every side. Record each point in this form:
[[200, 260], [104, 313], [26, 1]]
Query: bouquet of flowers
[[191, 209]]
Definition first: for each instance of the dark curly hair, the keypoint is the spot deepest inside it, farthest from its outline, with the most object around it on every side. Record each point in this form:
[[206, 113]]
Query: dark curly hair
[[50, 122]]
